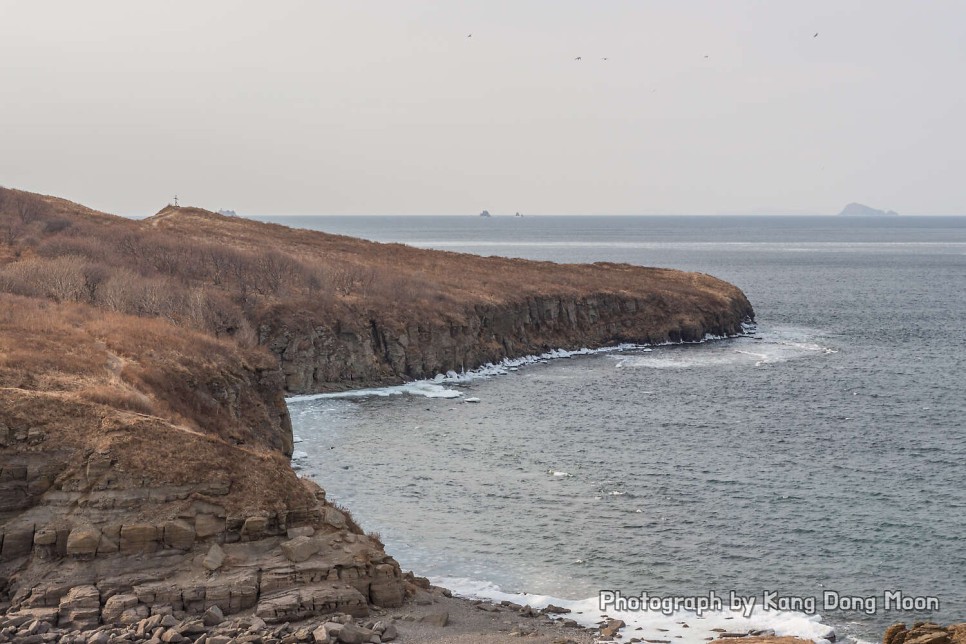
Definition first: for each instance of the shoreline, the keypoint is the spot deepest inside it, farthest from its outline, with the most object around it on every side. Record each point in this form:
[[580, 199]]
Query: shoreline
[[430, 615], [505, 365]]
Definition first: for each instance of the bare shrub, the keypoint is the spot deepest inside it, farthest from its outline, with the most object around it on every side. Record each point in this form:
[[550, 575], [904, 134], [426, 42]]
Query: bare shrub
[[59, 278], [120, 398], [91, 248], [94, 276], [349, 519], [127, 292], [351, 279], [11, 231], [52, 226], [27, 209]]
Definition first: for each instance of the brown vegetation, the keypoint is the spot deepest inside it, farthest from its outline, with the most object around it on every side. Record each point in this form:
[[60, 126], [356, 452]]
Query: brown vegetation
[[269, 285], [140, 388]]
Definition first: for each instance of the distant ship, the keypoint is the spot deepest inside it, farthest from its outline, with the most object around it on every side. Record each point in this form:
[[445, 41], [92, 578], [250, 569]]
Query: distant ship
[[518, 215], [227, 213], [485, 213]]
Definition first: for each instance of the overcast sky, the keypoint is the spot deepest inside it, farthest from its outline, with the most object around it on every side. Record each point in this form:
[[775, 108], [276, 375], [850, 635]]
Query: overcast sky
[[364, 107]]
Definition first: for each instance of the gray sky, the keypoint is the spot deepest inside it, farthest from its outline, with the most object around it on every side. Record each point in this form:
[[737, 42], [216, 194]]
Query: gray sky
[[388, 107]]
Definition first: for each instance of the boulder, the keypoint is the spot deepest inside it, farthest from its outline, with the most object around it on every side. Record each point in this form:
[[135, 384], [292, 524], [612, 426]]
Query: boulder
[[390, 633], [83, 542], [107, 546], [132, 616], [213, 616], [436, 619], [300, 531], [334, 518], [172, 636], [215, 558], [386, 588], [207, 525], [300, 548], [328, 631], [178, 534], [254, 526], [352, 634], [80, 608], [934, 637], [139, 538], [307, 601], [611, 627], [115, 607]]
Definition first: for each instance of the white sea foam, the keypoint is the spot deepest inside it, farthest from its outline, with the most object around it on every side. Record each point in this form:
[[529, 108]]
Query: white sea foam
[[299, 459], [780, 346], [426, 388], [653, 625], [433, 387]]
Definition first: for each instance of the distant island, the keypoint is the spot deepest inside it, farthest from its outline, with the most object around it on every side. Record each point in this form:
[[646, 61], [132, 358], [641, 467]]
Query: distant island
[[860, 210], [485, 213]]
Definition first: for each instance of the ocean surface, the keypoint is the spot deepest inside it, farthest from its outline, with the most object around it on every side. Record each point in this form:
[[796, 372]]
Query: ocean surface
[[824, 452]]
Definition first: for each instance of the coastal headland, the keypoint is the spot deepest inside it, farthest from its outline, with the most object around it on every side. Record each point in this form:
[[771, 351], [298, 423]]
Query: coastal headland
[[144, 437]]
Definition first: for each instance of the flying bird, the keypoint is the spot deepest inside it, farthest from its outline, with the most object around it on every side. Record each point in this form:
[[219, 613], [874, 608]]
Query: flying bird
[[469, 35], [578, 58], [816, 35], [604, 58]]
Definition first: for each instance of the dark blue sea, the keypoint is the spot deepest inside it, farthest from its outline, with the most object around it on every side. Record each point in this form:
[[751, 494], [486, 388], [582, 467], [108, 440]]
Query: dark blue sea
[[825, 452]]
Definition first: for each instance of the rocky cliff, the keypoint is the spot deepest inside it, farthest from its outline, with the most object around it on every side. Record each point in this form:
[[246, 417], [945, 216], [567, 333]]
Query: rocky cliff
[[144, 470], [318, 354], [144, 439]]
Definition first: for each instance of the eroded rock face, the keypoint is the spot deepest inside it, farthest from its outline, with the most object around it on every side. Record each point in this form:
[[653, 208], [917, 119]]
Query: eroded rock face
[[315, 355], [116, 516], [925, 633], [159, 568]]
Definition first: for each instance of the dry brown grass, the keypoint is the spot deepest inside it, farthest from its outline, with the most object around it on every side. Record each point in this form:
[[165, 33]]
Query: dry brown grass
[[224, 275], [173, 406]]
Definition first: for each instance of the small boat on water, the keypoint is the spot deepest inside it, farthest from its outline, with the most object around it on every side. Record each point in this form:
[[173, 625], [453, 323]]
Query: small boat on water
[[485, 213]]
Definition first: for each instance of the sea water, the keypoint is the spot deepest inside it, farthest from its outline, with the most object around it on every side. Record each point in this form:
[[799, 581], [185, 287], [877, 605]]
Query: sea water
[[821, 457]]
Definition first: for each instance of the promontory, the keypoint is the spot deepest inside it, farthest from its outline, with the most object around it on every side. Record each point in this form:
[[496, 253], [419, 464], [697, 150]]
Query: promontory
[[144, 436]]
